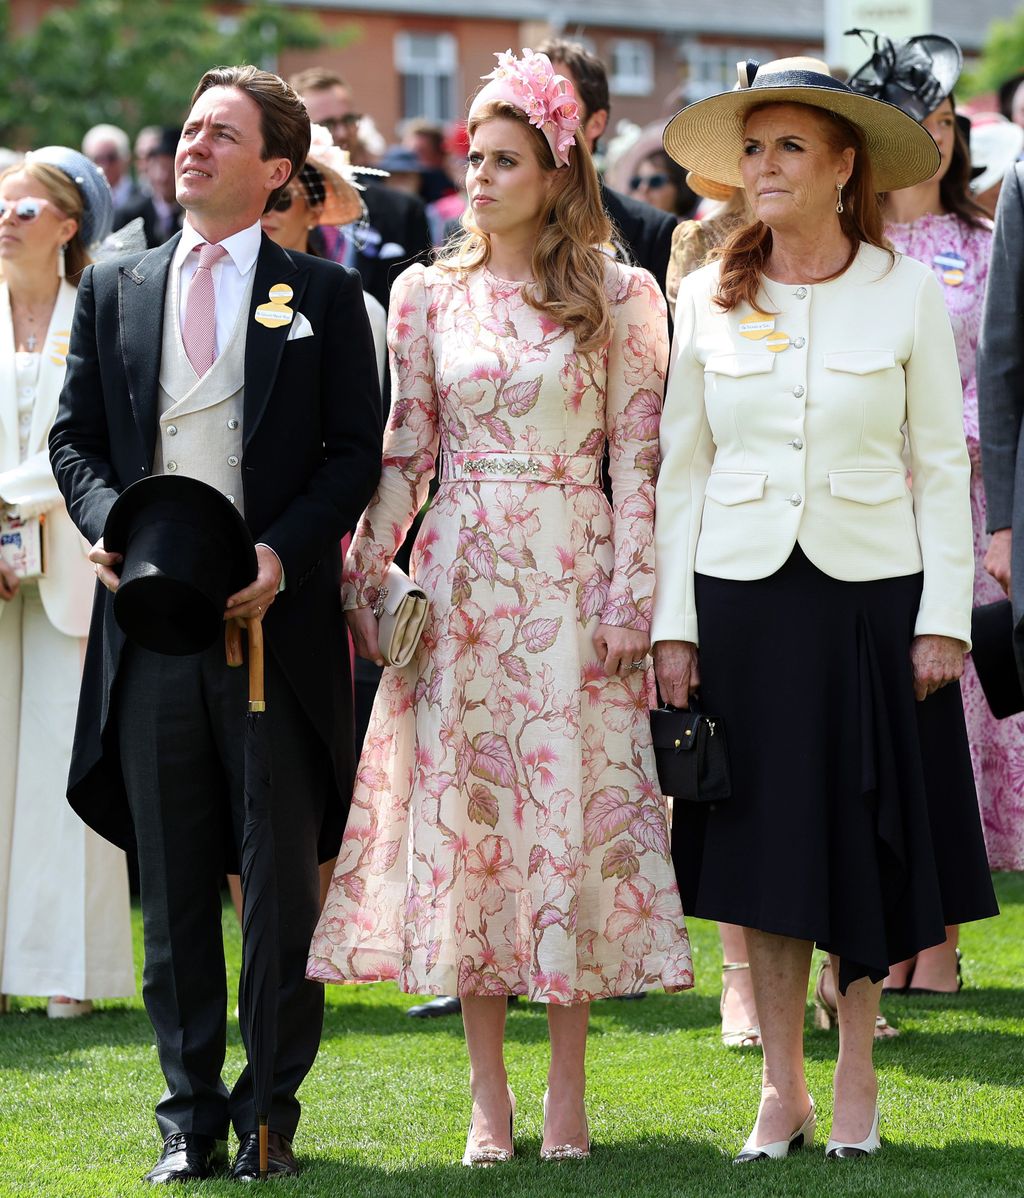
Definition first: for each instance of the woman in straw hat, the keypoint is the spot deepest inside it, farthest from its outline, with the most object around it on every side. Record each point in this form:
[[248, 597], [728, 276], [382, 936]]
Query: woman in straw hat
[[320, 194], [826, 594], [323, 194]]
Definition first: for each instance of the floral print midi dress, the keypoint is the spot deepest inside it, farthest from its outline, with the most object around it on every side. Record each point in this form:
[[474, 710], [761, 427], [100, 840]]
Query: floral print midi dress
[[959, 256], [506, 833]]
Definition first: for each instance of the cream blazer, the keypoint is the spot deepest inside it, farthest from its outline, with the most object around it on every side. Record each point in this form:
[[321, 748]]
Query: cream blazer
[[798, 423], [67, 590]]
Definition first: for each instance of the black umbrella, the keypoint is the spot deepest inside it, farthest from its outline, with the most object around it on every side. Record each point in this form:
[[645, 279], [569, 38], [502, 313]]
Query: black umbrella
[[257, 991]]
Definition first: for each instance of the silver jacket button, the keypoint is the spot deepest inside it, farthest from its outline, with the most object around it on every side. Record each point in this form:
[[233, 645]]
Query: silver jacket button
[[172, 430], [232, 460], [799, 342], [230, 498], [796, 500], [232, 423], [171, 467], [801, 293], [796, 443], [798, 390]]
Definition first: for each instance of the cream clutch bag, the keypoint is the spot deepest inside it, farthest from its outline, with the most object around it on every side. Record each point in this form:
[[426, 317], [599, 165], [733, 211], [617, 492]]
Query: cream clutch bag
[[401, 611]]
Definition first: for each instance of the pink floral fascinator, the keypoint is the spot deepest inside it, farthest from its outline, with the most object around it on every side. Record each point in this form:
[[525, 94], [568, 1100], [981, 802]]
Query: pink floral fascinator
[[531, 85]]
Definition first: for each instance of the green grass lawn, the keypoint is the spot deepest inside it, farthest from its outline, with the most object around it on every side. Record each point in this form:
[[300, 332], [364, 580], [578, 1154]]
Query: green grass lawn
[[385, 1107]]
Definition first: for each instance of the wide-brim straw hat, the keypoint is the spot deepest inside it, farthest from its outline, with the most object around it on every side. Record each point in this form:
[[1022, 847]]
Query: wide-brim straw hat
[[707, 136], [342, 203], [708, 188]]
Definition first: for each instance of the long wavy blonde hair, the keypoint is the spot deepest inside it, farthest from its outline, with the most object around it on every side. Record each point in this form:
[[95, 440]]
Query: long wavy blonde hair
[[568, 268]]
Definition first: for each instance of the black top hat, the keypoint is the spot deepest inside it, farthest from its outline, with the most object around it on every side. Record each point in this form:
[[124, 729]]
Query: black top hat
[[916, 74], [994, 658], [186, 549]]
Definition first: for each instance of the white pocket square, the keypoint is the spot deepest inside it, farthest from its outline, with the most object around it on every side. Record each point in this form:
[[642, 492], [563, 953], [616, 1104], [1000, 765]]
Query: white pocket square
[[391, 249], [300, 328]]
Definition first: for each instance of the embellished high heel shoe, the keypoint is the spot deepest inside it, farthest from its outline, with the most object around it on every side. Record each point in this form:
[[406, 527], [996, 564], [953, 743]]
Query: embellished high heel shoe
[[481, 1158], [564, 1152], [836, 1150], [826, 1014], [803, 1137]]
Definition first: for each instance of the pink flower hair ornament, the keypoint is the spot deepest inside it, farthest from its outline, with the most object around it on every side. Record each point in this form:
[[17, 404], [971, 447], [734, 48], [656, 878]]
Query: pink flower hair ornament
[[531, 85]]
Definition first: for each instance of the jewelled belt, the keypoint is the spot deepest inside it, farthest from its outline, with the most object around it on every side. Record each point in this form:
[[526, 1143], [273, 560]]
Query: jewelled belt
[[560, 470]]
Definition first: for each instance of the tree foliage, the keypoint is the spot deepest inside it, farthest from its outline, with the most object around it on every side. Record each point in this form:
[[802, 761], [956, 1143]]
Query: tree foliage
[[1002, 57], [130, 62]]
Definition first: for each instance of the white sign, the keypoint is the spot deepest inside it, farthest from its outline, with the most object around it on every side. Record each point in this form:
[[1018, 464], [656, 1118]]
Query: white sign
[[895, 18]]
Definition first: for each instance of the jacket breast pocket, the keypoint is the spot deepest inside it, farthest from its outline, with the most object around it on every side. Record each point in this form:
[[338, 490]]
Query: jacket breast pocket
[[868, 486], [739, 366], [730, 487], [860, 361]]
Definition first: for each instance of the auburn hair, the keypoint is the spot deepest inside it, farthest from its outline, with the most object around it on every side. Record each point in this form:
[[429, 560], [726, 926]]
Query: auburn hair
[[744, 255], [65, 196], [569, 270]]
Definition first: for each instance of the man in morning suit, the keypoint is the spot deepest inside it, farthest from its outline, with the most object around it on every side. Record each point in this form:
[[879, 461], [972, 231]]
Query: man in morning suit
[[286, 423]]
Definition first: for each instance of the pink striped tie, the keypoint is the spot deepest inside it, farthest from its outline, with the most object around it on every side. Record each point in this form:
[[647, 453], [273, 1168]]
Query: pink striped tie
[[200, 330]]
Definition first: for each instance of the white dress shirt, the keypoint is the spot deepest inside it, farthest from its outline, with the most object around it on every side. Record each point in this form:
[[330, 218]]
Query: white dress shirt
[[230, 280]]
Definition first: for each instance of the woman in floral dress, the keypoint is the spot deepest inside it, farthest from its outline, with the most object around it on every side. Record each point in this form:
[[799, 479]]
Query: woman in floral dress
[[507, 834], [938, 222]]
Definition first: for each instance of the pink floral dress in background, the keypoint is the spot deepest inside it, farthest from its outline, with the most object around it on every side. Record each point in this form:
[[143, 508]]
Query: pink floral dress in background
[[507, 834], [959, 255]]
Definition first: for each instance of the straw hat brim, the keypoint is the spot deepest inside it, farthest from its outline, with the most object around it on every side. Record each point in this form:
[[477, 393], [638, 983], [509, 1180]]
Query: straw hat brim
[[707, 136], [708, 188], [342, 203]]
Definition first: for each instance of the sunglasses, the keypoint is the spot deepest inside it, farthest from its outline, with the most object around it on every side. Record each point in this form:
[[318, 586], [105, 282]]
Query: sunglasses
[[283, 202], [652, 181], [332, 122], [26, 210]]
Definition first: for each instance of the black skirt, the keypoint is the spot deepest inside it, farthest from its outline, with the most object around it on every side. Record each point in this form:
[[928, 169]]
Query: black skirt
[[853, 820]]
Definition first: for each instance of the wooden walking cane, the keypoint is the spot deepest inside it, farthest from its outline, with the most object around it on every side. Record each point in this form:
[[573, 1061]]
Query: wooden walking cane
[[257, 886]]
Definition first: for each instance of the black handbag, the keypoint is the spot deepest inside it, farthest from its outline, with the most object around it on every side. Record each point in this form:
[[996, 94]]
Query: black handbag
[[692, 754]]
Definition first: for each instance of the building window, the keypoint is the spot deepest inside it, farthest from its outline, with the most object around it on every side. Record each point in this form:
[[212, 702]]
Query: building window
[[427, 64], [632, 72], [712, 69]]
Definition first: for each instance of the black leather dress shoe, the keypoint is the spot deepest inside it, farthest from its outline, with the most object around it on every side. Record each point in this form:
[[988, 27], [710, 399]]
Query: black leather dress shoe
[[189, 1156], [281, 1160], [447, 1004]]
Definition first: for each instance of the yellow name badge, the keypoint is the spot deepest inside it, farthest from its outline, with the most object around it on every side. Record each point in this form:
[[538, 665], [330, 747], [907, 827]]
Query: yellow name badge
[[777, 342], [756, 326], [59, 347], [276, 314]]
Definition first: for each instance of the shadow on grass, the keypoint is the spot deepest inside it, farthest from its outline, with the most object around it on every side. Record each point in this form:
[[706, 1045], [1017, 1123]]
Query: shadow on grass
[[667, 1166], [527, 1022], [990, 1058]]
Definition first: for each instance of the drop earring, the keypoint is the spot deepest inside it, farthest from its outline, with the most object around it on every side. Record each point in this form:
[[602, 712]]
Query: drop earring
[[839, 198], [61, 270]]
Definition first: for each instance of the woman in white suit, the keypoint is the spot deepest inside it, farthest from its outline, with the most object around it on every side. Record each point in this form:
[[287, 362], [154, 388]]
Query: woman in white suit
[[826, 591], [64, 909]]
